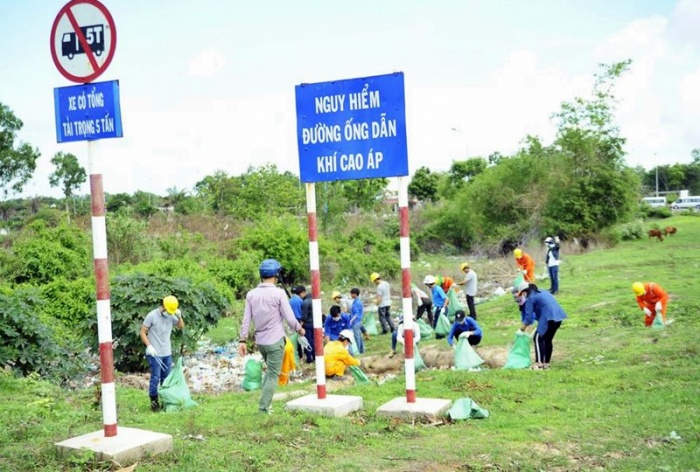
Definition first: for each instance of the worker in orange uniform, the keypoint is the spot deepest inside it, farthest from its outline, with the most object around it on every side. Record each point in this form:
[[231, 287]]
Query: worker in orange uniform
[[526, 265], [652, 299]]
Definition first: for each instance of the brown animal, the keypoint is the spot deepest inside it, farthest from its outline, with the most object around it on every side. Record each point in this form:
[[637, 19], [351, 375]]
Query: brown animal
[[668, 230], [656, 233]]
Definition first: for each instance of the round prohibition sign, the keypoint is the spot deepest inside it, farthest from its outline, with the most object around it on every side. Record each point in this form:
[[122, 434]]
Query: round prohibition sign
[[83, 40]]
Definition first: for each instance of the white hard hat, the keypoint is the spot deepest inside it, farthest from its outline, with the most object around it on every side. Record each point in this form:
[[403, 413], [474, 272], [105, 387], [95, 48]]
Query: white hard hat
[[346, 334], [429, 279]]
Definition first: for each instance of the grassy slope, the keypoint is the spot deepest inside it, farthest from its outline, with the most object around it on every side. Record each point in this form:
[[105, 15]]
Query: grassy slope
[[615, 391]]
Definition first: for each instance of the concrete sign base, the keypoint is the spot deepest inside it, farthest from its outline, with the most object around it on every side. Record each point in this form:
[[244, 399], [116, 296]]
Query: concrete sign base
[[332, 405], [127, 447], [430, 408]]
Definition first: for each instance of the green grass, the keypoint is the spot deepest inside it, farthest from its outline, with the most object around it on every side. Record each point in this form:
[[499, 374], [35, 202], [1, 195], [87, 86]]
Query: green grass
[[615, 391]]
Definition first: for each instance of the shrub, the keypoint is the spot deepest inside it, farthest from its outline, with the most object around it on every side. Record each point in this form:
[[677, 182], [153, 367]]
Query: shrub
[[70, 301], [42, 254], [26, 345], [197, 272], [658, 212], [632, 230], [133, 296], [283, 238]]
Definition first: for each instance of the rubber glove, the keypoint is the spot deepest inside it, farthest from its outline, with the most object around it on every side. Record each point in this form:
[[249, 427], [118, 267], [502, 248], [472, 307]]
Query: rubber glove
[[658, 306], [151, 351], [647, 311], [304, 343]]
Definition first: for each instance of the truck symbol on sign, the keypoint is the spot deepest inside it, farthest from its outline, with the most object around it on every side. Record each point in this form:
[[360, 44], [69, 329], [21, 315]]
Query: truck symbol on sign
[[94, 35]]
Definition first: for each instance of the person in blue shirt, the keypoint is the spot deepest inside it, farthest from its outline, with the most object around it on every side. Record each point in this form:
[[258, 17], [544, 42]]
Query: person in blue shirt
[[335, 323], [440, 300], [467, 326], [296, 300], [540, 306], [357, 311]]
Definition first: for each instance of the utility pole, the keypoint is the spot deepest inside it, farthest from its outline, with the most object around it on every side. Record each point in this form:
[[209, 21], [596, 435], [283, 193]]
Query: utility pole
[[657, 175]]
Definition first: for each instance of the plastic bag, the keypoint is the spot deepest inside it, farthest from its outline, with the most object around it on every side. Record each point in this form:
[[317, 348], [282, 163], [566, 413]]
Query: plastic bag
[[658, 322], [418, 360], [518, 280], [288, 364], [174, 393], [454, 304], [253, 375], [465, 356], [466, 408], [443, 326], [426, 332], [519, 354], [294, 338], [359, 376], [370, 323]]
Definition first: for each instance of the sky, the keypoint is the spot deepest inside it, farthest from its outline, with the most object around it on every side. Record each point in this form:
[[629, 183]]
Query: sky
[[209, 85]]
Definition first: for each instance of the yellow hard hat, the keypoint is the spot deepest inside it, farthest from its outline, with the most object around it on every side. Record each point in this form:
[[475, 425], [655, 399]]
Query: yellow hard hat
[[518, 253], [638, 289], [170, 304], [336, 294], [373, 276], [463, 266]]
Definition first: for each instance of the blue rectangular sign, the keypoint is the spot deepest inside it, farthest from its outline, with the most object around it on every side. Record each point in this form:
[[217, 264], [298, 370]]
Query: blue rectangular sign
[[352, 129], [88, 111]]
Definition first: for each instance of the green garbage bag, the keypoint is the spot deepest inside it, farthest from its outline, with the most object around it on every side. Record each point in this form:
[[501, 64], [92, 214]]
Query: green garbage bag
[[174, 393], [465, 356], [418, 360], [519, 354], [443, 326], [253, 375], [426, 332], [454, 304], [359, 376], [466, 408], [658, 322], [518, 280], [294, 338], [370, 323]]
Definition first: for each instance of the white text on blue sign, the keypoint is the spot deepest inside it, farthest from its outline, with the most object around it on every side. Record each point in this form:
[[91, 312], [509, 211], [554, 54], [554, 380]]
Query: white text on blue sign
[[356, 132]]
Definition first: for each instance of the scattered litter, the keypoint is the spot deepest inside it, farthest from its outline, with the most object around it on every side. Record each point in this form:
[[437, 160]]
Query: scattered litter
[[385, 379], [673, 437], [197, 437]]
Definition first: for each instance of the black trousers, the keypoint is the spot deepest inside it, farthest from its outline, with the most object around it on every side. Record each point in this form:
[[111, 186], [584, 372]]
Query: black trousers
[[385, 319], [426, 307], [544, 342], [472, 308]]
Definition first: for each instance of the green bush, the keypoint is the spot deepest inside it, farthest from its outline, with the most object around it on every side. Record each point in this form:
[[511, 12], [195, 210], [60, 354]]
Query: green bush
[[197, 272], [42, 254], [72, 302], [657, 212], [26, 345], [127, 240], [133, 296], [284, 238], [631, 231]]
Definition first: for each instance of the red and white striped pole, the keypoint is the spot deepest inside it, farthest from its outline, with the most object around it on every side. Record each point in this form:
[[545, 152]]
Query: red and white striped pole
[[104, 317], [407, 306], [314, 266]]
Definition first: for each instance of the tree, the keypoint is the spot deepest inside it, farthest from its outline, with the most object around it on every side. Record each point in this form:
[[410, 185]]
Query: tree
[[69, 174], [17, 163], [424, 185], [462, 172], [596, 189]]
